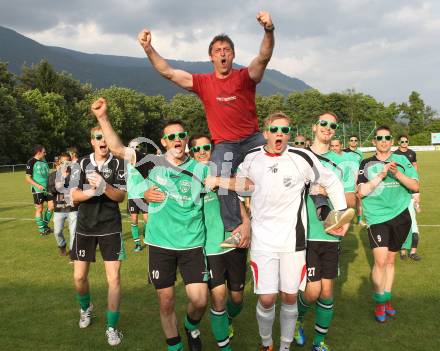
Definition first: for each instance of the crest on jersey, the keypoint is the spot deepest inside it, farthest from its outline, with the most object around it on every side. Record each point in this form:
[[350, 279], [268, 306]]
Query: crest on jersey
[[185, 186], [273, 168], [107, 173], [287, 181]]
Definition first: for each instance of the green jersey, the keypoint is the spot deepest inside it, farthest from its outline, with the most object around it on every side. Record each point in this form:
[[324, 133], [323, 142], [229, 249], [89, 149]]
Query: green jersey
[[177, 222], [215, 231], [357, 154], [390, 198], [337, 163], [38, 170], [136, 183]]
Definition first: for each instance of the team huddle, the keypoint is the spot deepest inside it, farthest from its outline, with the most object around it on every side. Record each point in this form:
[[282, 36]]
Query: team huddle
[[237, 189]]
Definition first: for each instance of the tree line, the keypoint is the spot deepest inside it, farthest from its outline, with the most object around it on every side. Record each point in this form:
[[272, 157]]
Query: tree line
[[53, 108]]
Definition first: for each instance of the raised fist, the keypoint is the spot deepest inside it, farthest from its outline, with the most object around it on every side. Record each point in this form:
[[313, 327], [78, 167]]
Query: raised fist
[[144, 38], [265, 20], [99, 108]]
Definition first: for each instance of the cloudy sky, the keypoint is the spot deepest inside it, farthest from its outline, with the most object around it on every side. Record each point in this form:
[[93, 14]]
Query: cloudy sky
[[385, 48]]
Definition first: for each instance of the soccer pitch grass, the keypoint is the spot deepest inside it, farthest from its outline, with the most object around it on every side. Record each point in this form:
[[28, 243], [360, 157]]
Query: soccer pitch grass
[[39, 311]]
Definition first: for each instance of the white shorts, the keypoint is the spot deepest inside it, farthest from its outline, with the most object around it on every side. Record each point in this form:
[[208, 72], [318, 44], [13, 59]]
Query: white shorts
[[278, 271]]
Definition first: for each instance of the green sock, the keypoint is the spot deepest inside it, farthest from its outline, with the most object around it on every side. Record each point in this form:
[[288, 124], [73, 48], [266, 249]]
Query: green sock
[[47, 216], [174, 344], [359, 218], [324, 316], [233, 309], [191, 324], [112, 318], [135, 232], [145, 232], [40, 224], [379, 298], [84, 300], [303, 306], [387, 295], [220, 329]]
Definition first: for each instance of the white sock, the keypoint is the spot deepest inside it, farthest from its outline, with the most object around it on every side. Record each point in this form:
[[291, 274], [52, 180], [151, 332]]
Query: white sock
[[288, 316], [265, 318]]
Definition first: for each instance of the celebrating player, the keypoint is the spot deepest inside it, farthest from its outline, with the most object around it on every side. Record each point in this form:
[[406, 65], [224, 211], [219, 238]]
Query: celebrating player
[[385, 183]]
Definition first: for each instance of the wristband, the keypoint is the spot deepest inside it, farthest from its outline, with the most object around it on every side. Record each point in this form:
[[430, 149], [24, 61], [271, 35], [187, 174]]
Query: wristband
[[269, 29]]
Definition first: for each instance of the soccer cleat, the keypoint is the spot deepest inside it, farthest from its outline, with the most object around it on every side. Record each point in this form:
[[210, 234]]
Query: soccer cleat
[[47, 231], [321, 347], [137, 248], [232, 241], [194, 342], [336, 219], [299, 337], [85, 317], [62, 251], [415, 257], [379, 313], [265, 348], [403, 255], [389, 310], [114, 337]]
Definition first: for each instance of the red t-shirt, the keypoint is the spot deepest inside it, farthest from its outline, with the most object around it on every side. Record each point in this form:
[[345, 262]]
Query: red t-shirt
[[229, 104]]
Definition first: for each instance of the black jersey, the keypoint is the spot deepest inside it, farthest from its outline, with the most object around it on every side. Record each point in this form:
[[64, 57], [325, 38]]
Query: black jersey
[[98, 215], [409, 154]]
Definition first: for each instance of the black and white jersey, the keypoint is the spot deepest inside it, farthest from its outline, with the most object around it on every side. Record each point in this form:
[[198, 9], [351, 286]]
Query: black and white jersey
[[99, 215], [278, 206], [409, 154]]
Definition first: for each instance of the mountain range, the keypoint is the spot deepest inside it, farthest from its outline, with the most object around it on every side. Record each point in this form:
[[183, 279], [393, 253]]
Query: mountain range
[[105, 70]]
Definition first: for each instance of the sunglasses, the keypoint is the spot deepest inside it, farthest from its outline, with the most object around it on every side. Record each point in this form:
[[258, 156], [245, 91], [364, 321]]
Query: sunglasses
[[404, 141], [354, 140], [299, 142], [98, 137], [383, 137], [205, 147], [277, 129], [172, 136], [324, 123]]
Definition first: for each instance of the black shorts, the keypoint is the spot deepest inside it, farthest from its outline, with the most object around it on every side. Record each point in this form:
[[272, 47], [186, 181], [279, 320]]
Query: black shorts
[[391, 234], [111, 247], [229, 267], [39, 198], [163, 263], [322, 260], [137, 206]]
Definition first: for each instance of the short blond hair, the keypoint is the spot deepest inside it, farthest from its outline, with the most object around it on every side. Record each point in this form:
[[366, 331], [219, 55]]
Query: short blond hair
[[274, 116], [93, 130]]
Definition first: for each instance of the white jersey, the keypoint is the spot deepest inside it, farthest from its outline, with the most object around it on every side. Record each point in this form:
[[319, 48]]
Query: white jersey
[[279, 217]]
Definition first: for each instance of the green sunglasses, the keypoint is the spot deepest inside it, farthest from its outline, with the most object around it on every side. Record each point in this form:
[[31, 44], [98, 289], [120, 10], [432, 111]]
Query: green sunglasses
[[276, 129], [299, 142], [205, 147], [324, 124], [383, 137], [172, 136], [98, 136]]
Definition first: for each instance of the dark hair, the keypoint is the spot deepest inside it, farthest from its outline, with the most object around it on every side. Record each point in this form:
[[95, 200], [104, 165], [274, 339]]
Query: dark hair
[[172, 122], [402, 136], [353, 136], [383, 127], [195, 137], [38, 148], [221, 37], [64, 154]]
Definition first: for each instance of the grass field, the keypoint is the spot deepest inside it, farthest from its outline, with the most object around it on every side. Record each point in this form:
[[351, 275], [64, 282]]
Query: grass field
[[38, 309]]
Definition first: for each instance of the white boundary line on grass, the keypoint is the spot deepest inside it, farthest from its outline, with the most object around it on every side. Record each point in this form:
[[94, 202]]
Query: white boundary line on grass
[[31, 219]]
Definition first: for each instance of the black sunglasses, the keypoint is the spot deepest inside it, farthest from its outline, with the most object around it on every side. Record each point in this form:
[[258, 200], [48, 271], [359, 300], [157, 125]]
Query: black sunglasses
[[172, 136], [383, 137], [205, 147], [98, 136], [324, 123], [355, 140]]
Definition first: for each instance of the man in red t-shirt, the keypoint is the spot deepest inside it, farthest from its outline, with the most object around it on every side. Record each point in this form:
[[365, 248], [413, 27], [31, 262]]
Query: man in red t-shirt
[[228, 96]]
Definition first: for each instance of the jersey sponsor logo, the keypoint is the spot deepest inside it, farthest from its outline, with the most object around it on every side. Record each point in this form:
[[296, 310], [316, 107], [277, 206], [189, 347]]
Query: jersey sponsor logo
[[107, 173], [122, 174], [226, 99], [273, 168]]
